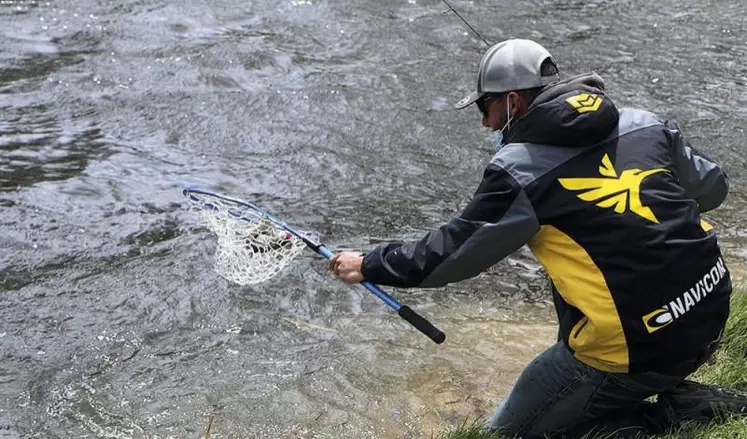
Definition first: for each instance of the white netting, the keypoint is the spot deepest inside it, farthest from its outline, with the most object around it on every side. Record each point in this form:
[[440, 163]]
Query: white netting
[[250, 248]]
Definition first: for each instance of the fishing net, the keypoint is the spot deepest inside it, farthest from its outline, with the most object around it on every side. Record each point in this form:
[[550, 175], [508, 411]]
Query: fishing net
[[250, 247]]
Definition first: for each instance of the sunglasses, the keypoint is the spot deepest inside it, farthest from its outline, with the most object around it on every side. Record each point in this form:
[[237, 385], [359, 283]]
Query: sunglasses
[[482, 103]]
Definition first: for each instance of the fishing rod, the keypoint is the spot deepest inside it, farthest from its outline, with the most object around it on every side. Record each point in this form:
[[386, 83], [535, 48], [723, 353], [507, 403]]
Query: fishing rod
[[465, 22]]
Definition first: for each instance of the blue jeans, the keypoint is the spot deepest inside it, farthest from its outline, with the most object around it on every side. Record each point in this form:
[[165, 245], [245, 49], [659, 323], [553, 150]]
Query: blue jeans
[[558, 395]]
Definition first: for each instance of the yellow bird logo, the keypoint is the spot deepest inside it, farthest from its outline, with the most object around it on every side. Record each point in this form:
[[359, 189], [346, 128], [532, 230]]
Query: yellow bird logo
[[622, 193]]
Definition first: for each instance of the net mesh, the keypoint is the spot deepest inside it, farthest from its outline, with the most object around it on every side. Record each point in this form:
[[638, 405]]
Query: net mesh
[[250, 248]]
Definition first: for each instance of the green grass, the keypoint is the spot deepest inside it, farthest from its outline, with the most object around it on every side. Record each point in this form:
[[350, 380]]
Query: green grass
[[727, 368], [471, 431]]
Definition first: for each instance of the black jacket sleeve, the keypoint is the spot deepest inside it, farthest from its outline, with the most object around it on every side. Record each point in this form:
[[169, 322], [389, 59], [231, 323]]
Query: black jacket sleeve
[[498, 220], [703, 180]]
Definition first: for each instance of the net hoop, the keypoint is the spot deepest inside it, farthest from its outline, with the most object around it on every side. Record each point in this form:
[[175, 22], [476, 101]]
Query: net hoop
[[251, 246]]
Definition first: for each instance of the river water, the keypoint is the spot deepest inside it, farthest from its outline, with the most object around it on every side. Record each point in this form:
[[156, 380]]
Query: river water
[[338, 117]]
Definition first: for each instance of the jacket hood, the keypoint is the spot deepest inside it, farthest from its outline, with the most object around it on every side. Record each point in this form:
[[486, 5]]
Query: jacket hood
[[573, 112]]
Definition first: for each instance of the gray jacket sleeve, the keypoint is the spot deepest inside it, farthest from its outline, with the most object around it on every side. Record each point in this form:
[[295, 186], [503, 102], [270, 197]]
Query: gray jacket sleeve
[[703, 180], [498, 220]]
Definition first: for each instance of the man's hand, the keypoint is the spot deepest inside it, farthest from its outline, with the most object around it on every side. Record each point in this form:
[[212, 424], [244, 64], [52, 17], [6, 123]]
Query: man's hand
[[347, 266]]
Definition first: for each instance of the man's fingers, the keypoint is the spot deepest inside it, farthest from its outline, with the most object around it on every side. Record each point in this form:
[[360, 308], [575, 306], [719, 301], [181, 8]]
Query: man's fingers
[[346, 277], [353, 278], [346, 266], [333, 261]]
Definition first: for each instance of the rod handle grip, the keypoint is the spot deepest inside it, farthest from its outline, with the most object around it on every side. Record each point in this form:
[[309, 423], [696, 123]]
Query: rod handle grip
[[421, 324]]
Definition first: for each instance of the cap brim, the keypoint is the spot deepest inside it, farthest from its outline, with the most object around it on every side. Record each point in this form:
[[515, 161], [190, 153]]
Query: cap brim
[[469, 100]]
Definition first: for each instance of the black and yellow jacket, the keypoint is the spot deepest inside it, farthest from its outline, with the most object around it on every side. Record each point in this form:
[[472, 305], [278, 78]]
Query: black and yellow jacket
[[609, 202]]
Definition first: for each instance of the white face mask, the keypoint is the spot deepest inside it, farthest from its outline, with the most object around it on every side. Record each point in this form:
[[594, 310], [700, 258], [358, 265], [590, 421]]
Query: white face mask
[[498, 134]]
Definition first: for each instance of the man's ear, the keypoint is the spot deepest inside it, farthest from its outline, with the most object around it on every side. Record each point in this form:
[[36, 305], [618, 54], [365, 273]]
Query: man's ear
[[518, 103], [514, 104]]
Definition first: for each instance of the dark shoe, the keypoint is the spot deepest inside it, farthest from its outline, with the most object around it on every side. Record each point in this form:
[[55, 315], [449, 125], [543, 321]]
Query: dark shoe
[[691, 401]]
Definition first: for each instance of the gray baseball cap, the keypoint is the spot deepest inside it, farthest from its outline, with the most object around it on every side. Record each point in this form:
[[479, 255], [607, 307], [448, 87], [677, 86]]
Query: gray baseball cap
[[512, 65]]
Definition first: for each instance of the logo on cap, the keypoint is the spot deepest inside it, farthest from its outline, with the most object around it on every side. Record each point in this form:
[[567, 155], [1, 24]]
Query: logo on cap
[[585, 102]]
